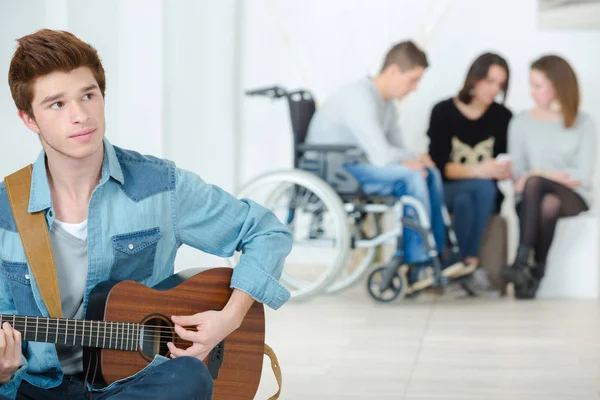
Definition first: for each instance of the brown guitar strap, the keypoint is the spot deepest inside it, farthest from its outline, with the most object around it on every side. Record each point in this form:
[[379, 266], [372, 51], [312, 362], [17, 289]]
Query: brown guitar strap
[[276, 370], [35, 239]]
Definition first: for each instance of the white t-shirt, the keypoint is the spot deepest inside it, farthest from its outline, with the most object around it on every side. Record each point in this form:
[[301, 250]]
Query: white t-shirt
[[78, 230]]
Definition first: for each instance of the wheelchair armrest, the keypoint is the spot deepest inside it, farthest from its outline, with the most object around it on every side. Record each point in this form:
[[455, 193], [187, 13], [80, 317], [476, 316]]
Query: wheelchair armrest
[[326, 148]]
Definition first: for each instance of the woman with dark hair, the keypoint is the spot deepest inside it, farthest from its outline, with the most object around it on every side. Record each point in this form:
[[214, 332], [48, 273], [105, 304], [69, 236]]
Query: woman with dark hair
[[553, 147], [467, 133]]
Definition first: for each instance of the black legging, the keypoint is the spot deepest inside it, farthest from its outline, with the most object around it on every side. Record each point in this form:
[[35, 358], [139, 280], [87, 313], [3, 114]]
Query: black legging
[[544, 201]]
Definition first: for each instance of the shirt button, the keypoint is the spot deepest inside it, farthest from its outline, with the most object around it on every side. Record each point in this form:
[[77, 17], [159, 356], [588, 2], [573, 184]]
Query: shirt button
[[130, 246], [27, 276], [50, 213]]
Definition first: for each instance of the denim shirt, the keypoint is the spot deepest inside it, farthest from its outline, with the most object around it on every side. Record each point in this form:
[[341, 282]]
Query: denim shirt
[[141, 212]]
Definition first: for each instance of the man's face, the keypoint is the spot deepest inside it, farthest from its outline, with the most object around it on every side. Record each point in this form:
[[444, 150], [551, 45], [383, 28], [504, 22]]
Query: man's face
[[68, 113], [404, 82]]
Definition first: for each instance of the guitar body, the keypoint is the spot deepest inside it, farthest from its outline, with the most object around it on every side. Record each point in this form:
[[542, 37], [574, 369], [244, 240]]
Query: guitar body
[[235, 364]]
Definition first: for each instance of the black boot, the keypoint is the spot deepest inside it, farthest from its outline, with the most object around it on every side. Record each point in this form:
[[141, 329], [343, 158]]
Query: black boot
[[538, 270], [528, 289], [520, 271]]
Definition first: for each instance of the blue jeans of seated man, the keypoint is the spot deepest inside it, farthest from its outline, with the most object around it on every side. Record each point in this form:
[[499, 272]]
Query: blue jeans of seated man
[[472, 201], [398, 180], [183, 378]]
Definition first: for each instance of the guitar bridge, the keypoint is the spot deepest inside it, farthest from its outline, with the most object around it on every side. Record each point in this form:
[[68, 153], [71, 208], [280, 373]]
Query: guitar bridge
[[215, 359]]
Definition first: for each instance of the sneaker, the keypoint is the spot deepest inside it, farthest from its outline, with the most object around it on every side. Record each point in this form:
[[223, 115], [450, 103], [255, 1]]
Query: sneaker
[[478, 284]]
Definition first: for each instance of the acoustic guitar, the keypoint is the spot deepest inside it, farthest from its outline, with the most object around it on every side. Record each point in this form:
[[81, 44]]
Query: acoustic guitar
[[128, 323]]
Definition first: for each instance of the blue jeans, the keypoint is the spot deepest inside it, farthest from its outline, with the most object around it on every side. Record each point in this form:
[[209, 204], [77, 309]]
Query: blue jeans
[[182, 378], [472, 202], [398, 180]]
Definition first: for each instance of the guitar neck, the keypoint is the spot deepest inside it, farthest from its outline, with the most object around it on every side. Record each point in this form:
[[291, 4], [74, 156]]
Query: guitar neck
[[77, 332]]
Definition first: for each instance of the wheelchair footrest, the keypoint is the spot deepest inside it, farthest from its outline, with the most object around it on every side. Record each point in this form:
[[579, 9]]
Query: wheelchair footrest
[[420, 285], [458, 270], [427, 280]]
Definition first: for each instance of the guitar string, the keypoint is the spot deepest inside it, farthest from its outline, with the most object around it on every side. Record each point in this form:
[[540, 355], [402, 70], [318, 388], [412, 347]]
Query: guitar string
[[120, 331], [94, 329], [92, 337], [117, 345], [9, 318], [54, 322]]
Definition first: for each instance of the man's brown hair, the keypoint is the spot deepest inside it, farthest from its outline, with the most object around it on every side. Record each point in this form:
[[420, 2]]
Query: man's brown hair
[[44, 52], [406, 55], [564, 80]]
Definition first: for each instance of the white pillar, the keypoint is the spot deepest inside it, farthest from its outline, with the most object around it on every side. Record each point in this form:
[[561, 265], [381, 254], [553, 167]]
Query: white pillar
[[202, 94], [140, 61]]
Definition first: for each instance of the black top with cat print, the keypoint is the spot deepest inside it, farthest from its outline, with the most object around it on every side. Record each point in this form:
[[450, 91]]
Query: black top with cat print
[[455, 138]]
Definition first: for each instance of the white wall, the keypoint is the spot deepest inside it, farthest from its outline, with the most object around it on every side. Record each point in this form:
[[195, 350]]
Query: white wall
[[176, 70], [171, 72], [323, 45], [107, 26], [18, 146]]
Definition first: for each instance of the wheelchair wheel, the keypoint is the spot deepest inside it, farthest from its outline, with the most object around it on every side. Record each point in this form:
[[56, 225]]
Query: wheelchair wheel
[[396, 288], [360, 258], [314, 214]]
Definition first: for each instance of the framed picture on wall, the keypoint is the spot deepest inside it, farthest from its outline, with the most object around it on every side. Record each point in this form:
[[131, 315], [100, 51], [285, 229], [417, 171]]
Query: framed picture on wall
[[582, 14]]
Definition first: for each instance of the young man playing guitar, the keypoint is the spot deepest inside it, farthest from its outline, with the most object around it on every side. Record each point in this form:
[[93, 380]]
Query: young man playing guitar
[[113, 214]]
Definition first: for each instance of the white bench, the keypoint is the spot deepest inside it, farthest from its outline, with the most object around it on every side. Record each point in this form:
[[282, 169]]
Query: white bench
[[572, 266], [572, 270]]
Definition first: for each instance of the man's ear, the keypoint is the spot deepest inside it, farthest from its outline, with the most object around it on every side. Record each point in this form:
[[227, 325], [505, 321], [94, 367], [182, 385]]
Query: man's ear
[[29, 121], [394, 69]]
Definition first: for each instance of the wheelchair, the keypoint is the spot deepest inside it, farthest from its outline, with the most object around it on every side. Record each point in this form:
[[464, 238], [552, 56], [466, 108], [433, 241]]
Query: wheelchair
[[337, 229]]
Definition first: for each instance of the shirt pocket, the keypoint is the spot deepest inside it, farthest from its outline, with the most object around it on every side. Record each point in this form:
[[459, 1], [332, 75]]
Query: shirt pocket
[[19, 284], [134, 254]]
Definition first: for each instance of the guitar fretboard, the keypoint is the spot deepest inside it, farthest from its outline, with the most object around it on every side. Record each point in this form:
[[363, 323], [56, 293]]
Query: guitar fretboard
[[77, 332]]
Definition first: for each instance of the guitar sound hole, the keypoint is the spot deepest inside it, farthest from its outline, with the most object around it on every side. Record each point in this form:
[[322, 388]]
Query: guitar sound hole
[[157, 331]]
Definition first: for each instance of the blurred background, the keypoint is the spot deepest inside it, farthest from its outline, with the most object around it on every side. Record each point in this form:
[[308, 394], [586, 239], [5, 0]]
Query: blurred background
[[176, 75]]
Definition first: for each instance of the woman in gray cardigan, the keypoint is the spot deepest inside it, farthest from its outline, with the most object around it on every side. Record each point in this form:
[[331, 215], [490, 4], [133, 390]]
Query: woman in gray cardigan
[[552, 147]]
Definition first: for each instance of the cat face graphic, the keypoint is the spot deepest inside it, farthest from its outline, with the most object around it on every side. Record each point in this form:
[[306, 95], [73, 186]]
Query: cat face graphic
[[464, 154]]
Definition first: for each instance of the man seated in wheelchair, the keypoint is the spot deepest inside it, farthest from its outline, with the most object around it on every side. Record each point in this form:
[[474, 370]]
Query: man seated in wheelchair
[[362, 114]]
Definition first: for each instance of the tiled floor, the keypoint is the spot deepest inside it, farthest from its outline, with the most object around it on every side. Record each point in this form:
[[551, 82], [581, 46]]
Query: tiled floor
[[451, 347]]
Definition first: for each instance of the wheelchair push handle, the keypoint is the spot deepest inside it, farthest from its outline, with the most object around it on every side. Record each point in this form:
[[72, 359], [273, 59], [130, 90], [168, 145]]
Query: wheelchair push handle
[[274, 92]]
